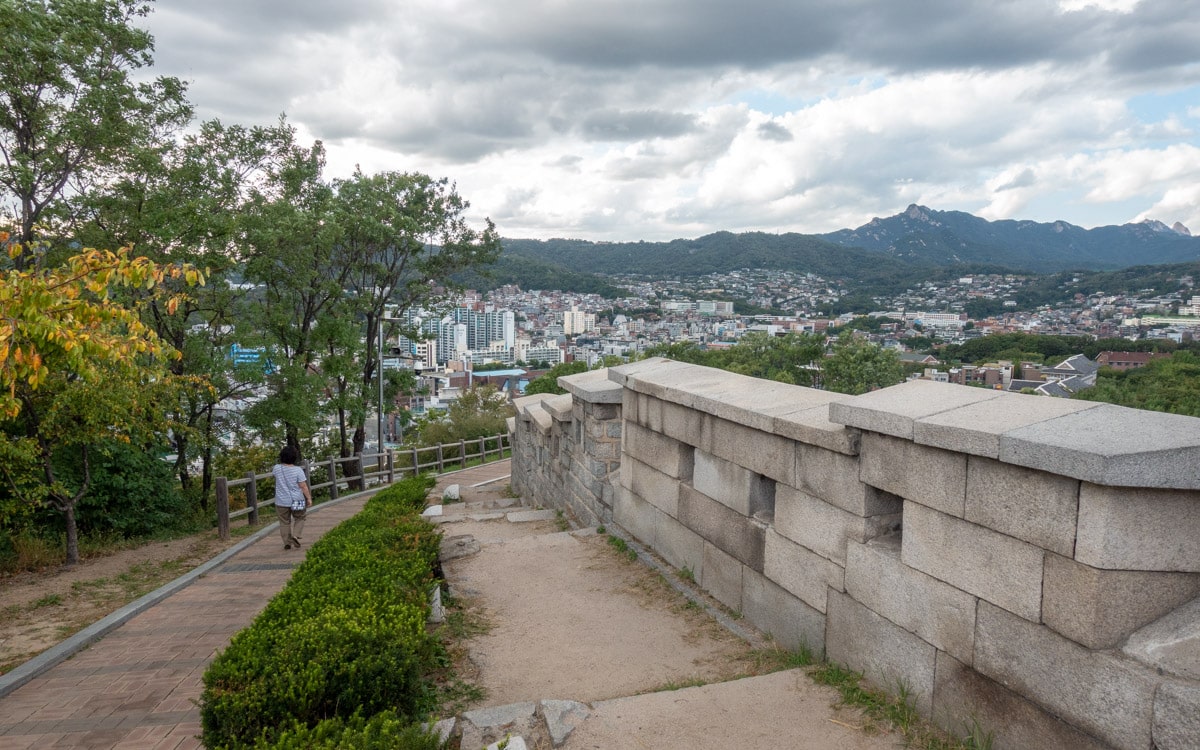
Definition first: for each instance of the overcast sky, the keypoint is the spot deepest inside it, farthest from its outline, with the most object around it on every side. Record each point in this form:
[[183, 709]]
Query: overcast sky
[[658, 119]]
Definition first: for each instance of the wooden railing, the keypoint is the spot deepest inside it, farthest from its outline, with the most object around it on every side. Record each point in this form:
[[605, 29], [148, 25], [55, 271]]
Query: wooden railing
[[361, 471]]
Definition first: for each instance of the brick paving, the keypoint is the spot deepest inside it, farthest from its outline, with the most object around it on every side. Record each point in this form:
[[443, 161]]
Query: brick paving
[[137, 687]]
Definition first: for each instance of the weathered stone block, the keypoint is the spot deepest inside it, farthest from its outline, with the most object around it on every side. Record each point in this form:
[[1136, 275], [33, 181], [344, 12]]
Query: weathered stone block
[[800, 571], [1113, 446], [593, 387], [683, 424], [679, 545], [1099, 608], [976, 428], [729, 530], [893, 411], [629, 405], [1177, 717], [833, 477], [886, 654], [1030, 505], [963, 698], [925, 475], [792, 623], [635, 515], [811, 425], [761, 452], [721, 576], [986, 563], [1103, 694], [824, 528], [1170, 644], [937, 612], [1139, 529], [652, 485], [734, 486]]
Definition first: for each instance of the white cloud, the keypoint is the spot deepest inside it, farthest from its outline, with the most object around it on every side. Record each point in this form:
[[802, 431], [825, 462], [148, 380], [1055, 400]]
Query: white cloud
[[625, 119]]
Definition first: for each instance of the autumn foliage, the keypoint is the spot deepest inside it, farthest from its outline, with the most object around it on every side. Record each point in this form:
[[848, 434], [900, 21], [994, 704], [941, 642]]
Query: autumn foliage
[[65, 319]]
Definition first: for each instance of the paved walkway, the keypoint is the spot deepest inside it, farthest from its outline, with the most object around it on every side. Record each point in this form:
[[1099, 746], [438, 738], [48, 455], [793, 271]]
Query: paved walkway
[[136, 687]]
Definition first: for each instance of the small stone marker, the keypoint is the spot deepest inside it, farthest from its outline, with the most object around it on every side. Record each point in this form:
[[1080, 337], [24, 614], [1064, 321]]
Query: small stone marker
[[437, 612], [432, 511], [451, 494]]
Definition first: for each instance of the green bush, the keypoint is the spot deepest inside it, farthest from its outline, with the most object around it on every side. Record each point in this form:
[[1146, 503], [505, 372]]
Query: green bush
[[383, 731], [345, 636]]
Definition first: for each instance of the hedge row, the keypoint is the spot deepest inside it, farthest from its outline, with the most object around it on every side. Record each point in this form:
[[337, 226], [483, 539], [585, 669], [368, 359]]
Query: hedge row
[[344, 640]]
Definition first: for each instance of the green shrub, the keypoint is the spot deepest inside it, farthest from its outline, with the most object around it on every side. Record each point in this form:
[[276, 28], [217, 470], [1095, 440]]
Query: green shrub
[[345, 636], [383, 731]]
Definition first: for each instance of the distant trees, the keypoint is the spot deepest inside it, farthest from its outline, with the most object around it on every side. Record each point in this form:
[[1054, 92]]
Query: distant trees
[[857, 366], [854, 365], [1170, 384]]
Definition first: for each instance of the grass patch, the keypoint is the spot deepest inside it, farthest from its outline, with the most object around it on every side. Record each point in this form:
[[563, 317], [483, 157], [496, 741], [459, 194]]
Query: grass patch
[[622, 547], [53, 600], [896, 712], [686, 574]]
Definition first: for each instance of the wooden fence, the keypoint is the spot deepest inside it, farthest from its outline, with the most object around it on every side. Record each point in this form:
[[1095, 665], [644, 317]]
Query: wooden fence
[[363, 470]]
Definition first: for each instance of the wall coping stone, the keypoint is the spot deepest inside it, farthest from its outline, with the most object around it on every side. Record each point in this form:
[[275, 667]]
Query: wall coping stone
[[592, 386], [894, 411], [976, 428], [1103, 444], [525, 401], [1112, 445], [790, 411], [560, 407]]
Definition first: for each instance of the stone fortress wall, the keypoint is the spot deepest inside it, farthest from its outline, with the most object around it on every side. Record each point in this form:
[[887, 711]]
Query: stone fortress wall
[[1027, 563]]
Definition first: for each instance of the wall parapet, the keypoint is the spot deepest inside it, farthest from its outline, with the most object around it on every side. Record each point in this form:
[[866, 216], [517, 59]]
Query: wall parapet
[[1029, 563]]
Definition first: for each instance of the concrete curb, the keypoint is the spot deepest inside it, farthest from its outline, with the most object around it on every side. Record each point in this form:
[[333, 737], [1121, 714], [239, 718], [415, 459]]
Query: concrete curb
[[97, 630]]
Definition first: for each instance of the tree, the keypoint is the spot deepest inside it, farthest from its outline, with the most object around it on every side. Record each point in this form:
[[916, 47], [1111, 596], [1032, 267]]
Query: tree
[[76, 370], [183, 204], [548, 382], [786, 359], [292, 239], [481, 411], [857, 366], [401, 235], [70, 109], [1170, 384]]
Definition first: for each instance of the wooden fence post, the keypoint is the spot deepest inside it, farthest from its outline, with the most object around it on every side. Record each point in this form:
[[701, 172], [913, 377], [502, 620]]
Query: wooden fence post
[[441, 462], [483, 450], [416, 462], [222, 508], [391, 465], [333, 482], [462, 454], [362, 471], [252, 497]]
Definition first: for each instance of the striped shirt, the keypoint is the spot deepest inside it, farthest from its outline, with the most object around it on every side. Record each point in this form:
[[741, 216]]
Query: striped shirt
[[288, 479]]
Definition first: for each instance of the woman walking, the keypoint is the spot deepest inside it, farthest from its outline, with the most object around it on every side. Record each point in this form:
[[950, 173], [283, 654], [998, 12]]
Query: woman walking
[[292, 498]]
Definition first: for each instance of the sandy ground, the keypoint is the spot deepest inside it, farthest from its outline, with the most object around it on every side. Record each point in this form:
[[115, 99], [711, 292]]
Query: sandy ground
[[572, 619]]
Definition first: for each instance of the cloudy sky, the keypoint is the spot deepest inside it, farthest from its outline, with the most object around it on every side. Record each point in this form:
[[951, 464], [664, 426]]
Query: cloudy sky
[[657, 119]]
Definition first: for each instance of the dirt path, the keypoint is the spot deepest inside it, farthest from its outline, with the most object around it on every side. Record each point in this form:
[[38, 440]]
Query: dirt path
[[571, 618], [38, 610]]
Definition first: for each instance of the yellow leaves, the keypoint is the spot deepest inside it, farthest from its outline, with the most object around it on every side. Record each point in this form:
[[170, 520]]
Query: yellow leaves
[[63, 321]]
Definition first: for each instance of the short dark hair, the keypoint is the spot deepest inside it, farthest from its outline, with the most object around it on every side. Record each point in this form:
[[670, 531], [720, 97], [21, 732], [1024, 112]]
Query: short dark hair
[[289, 455]]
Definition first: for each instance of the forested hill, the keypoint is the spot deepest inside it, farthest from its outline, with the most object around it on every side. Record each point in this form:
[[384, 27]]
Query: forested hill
[[953, 237], [915, 244], [721, 252]]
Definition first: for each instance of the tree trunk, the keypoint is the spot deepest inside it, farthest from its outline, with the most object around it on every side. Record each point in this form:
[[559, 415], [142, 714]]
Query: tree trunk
[[72, 535]]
